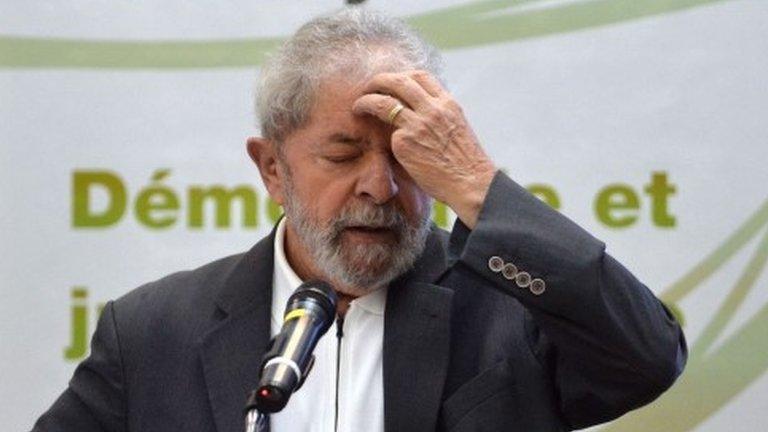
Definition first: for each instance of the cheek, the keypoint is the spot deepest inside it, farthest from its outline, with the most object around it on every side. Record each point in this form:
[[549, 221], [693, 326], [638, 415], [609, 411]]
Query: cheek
[[325, 196]]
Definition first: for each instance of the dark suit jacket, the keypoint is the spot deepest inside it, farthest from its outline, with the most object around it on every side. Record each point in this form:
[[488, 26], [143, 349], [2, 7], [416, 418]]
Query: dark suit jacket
[[465, 349]]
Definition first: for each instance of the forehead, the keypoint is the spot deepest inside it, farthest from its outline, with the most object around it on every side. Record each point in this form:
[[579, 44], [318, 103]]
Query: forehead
[[334, 97], [331, 116]]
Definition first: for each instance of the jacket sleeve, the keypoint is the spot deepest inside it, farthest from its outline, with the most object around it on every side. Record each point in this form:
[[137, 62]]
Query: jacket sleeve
[[95, 398], [608, 342]]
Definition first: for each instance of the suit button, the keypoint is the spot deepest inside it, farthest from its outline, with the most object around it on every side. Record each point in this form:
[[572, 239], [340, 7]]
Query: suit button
[[523, 279], [538, 286], [509, 271], [495, 264]]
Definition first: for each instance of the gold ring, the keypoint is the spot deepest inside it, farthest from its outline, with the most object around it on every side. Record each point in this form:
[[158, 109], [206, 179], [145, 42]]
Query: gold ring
[[394, 112]]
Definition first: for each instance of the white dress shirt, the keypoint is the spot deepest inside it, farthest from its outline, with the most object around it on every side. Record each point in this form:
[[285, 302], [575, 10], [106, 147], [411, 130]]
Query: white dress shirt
[[358, 358]]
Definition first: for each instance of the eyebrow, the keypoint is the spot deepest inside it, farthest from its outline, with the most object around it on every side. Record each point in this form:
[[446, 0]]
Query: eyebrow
[[342, 138]]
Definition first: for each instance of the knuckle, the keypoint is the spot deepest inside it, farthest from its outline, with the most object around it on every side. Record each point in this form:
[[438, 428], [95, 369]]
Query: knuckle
[[382, 104], [398, 136], [434, 115], [420, 131], [379, 80], [399, 143], [450, 104], [399, 79]]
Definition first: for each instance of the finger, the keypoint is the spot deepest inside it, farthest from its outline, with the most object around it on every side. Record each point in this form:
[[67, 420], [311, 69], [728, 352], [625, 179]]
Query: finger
[[381, 107], [400, 86], [428, 82]]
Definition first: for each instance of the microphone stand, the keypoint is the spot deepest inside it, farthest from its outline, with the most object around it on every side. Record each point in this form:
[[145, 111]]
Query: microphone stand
[[255, 420]]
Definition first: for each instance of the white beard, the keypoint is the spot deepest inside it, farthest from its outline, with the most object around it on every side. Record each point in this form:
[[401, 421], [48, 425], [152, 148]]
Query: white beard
[[358, 269]]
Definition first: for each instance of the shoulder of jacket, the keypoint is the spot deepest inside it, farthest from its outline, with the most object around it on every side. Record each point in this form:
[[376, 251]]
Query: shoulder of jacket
[[183, 292]]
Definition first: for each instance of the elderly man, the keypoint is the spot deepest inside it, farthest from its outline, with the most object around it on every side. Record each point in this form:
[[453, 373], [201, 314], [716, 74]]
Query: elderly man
[[517, 320]]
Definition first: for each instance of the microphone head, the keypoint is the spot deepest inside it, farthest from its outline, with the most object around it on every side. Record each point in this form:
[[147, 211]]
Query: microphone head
[[289, 358], [318, 294]]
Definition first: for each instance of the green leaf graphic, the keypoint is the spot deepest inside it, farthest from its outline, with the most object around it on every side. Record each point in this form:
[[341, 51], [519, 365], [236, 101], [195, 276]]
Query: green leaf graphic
[[713, 378], [471, 24]]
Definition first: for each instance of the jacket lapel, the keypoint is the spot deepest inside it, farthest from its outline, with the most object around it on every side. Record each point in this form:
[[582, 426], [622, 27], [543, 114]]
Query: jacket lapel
[[231, 351], [416, 344], [416, 339]]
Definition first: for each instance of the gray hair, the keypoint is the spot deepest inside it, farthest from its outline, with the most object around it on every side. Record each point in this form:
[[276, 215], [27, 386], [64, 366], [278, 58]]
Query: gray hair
[[355, 41]]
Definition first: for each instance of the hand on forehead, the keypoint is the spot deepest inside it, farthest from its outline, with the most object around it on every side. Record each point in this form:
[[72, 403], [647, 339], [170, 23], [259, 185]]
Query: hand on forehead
[[417, 90], [432, 139]]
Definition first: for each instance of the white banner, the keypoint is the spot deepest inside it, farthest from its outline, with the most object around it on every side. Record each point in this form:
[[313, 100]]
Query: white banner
[[122, 159]]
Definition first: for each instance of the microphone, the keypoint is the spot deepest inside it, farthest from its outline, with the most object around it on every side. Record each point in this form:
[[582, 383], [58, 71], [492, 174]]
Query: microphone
[[308, 315]]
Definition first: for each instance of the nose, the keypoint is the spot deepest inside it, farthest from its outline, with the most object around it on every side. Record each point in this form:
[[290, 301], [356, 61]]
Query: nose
[[377, 179]]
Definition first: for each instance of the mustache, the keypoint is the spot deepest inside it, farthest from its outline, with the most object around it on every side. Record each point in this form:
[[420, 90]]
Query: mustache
[[373, 216]]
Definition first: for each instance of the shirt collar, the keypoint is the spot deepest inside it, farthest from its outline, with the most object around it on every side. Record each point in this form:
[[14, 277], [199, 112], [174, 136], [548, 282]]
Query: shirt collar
[[373, 302]]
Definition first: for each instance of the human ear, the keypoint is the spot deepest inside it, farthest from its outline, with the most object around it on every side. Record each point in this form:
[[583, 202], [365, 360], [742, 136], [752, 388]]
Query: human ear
[[263, 152]]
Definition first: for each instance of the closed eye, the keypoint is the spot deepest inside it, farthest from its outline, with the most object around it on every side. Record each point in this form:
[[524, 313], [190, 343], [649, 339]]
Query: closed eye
[[340, 158]]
